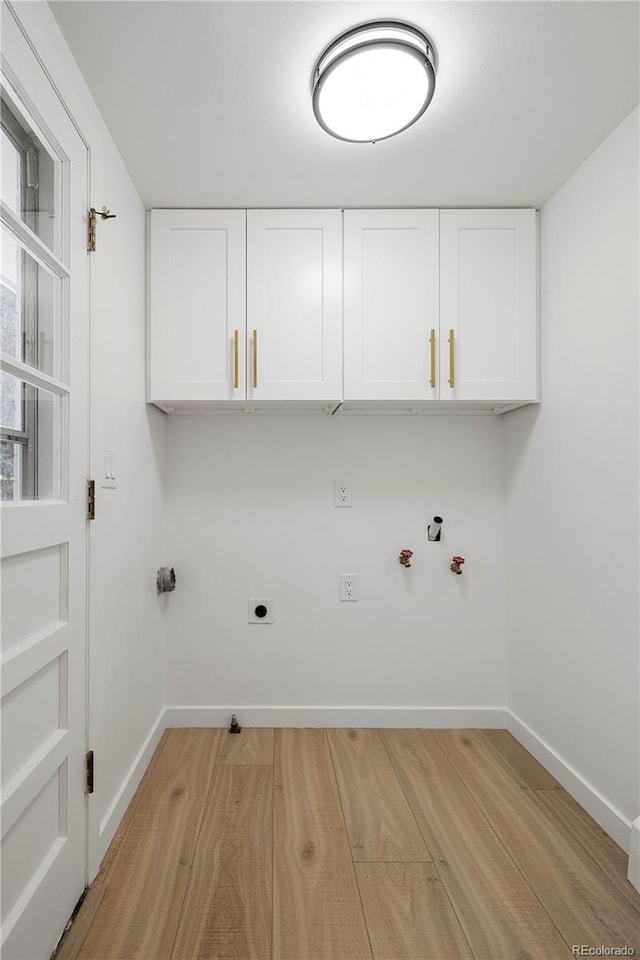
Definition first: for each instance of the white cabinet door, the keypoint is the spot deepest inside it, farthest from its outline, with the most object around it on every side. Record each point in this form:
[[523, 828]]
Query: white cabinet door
[[294, 305], [488, 304], [391, 304], [197, 305]]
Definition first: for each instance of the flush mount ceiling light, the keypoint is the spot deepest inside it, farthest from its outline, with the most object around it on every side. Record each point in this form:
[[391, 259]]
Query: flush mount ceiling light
[[374, 81]]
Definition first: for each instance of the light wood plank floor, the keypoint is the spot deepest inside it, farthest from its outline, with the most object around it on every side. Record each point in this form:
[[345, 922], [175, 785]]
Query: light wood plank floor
[[353, 845]]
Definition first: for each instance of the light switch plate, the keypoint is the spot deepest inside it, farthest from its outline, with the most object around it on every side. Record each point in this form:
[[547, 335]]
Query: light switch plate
[[108, 481]]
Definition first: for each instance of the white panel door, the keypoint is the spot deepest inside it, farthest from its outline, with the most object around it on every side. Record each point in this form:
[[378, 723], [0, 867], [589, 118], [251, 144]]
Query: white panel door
[[488, 299], [44, 460], [294, 305], [391, 304], [197, 305]]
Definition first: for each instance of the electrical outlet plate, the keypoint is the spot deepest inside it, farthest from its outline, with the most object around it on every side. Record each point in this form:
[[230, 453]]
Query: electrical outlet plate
[[255, 604], [342, 493], [349, 587]]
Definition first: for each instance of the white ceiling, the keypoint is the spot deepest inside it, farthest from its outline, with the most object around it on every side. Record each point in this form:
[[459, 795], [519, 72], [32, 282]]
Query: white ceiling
[[209, 102]]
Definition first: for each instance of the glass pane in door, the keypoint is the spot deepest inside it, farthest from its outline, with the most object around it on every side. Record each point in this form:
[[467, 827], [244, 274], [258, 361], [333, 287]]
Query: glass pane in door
[[30, 180], [30, 441], [29, 309]]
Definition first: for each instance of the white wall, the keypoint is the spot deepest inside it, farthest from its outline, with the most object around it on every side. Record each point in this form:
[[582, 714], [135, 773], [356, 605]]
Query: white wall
[[126, 617], [250, 514], [572, 485], [127, 628]]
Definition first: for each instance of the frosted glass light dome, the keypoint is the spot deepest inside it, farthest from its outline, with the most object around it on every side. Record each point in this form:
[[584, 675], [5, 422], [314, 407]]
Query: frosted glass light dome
[[373, 81]]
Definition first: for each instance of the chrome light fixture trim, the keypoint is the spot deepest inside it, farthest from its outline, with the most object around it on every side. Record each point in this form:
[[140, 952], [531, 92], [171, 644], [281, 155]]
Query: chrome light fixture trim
[[384, 44]]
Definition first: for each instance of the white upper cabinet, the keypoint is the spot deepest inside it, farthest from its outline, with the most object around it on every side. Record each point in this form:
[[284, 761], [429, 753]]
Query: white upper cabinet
[[488, 305], [370, 309], [196, 305], [391, 305], [294, 305]]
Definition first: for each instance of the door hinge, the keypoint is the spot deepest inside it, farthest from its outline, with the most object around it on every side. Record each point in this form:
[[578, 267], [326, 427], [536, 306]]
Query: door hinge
[[91, 499], [104, 214], [91, 231], [89, 772]]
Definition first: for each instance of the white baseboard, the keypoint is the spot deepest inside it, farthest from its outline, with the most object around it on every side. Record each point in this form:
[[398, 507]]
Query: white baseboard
[[391, 717], [634, 855], [610, 819], [111, 820]]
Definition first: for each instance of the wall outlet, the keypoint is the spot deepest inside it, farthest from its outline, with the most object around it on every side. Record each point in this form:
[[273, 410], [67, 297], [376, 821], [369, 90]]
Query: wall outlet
[[349, 587], [342, 493], [260, 610]]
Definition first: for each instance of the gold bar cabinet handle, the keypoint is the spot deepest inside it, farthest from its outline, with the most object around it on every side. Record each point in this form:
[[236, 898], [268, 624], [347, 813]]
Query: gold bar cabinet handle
[[432, 341], [235, 359], [452, 376], [255, 359]]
